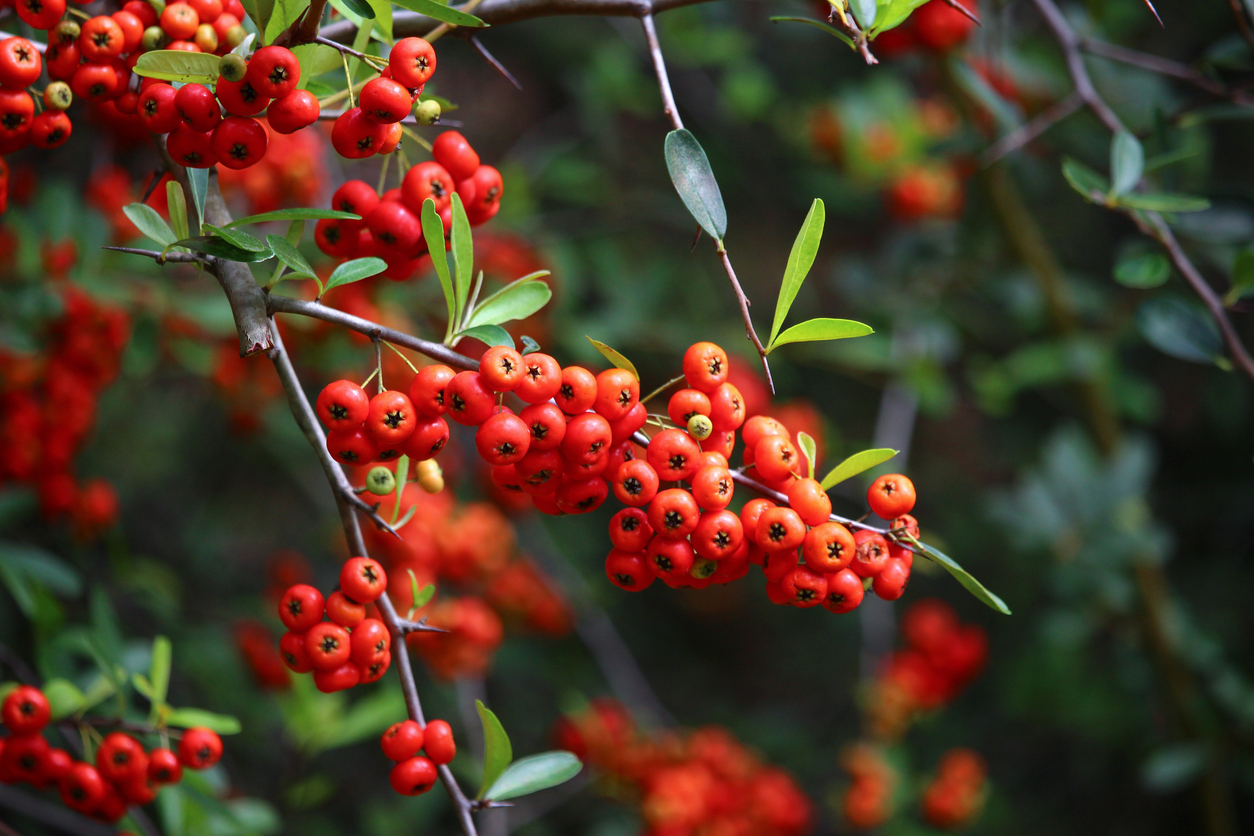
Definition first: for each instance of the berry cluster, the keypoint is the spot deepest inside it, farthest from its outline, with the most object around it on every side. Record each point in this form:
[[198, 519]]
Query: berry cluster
[[413, 773], [48, 406], [347, 649], [373, 126], [123, 774], [702, 782], [958, 792], [390, 227], [200, 136], [941, 657]]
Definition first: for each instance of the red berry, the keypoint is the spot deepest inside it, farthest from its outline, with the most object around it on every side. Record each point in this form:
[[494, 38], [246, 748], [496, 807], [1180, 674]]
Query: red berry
[[337, 679], [294, 654], [342, 406], [197, 107], [164, 767], [413, 776], [273, 71], [355, 136], [705, 366], [402, 741], [298, 109], [120, 758], [25, 710], [301, 607], [370, 641], [890, 496], [503, 439], [438, 741], [239, 141], [628, 570], [344, 611], [20, 63], [412, 61], [327, 645], [452, 151], [385, 101], [363, 579]]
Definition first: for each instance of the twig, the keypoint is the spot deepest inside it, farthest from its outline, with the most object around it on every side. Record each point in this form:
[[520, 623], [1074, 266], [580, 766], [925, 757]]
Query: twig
[[1244, 25], [1070, 42], [162, 258], [421, 626], [247, 299], [436, 351], [659, 67], [304, 29], [303, 412], [1162, 66], [958, 7], [491, 59], [348, 50], [1032, 129], [743, 301]]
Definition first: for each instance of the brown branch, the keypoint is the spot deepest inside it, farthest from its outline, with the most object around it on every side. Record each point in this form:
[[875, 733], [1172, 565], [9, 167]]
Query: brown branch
[[1070, 43], [970, 15], [303, 412], [305, 28], [316, 310], [247, 299], [501, 12], [491, 59], [163, 258], [1162, 66], [659, 67], [743, 301]]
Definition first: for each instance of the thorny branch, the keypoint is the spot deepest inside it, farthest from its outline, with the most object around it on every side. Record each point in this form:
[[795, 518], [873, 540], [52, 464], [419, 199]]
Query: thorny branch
[[1151, 222]]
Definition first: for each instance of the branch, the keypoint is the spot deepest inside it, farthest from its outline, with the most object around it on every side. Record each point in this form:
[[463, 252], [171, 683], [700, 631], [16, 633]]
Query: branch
[[1070, 43], [501, 12], [53, 815], [1162, 66], [305, 28], [163, 258], [303, 412], [247, 299], [316, 310], [743, 301], [1029, 131], [491, 59], [659, 67]]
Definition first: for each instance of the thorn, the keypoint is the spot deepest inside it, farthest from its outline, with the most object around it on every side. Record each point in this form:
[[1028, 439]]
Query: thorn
[[1156, 15], [956, 6], [697, 239], [487, 56], [152, 185]]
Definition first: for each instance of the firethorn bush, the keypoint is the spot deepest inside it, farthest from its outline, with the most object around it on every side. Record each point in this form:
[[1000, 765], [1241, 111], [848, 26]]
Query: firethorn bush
[[426, 417]]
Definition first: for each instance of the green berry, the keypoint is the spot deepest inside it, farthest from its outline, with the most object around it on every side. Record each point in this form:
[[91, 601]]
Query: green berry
[[153, 38], [58, 95], [232, 67], [700, 427], [427, 112], [380, 481]]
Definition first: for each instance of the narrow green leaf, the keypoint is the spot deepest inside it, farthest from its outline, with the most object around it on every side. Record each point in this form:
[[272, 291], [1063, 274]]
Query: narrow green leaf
[[176, 65], [421, 596], [817, 24], [143, 685], [221, 248], [530, 346], [284, 15], [382, 18], [811, 452], [401, 477], [64, 698], [615, 358], [1169, 158], [295, 231], [864, 11], [355, 271], [198, 179], [239, 238], [295, 215], [433, 231], [463, 258], [1242, 276], [518, 300], [186, 718], [178, 209], [1142, 270], [800, 260], [534, 773], [159, 670], [497, 750], [690, 171], [360, 8], [821, 329], [1180, 329], [489, 335], [288, 254], [1164, 202], [438, 11], [855, 464], [893, 13], [964, 577], [1091, 185], [148, 221], [1127, 163]]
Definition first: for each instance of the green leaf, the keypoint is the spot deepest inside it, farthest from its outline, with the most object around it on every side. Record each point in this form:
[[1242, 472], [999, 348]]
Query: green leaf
[[63, 697], [433, 232], [24, 565], [1242, 276], [616, 359], [497, 750], [382, 17], [219, 247], [821, 329], [964, 577], [1142, 270], [176, 65], [893, 13], [490, 335], [1091, 185], [144, 686], [694, 180], [517, 300], [296, 215], [198, 179], [264, 9], [1179, 329], [817, 24], [315, 59], [530, 346], [355, 271], [360, 8], [159, 670], [440, 12], [855, 464], [178, 209], [811, 452], [534, 773], [420, 596], [295, 231], [239, 238], [148, 221], [463, 258], [1127, 163], [800, 260], [1164, 202], [864, 11], [186, 718], [288, 254], [1169, 158], [284, 15]]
